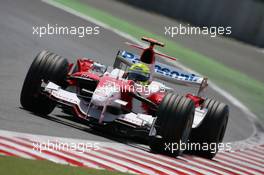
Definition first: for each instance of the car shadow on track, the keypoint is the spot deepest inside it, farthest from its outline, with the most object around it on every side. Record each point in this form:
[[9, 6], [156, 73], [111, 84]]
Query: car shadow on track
[[80, 124]]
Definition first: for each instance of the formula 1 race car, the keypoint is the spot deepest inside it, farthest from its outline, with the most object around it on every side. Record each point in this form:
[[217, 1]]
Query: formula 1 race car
[[108, 96]]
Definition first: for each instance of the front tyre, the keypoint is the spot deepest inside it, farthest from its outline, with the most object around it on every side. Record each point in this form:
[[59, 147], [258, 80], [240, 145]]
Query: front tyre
[[212, 129], [46, 66], [173, 125]]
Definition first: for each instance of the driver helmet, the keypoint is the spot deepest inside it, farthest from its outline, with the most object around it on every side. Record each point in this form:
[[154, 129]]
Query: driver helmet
[[140, 73]]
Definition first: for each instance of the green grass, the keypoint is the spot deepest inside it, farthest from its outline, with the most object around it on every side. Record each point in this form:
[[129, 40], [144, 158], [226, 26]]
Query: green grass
[[245, 88], [19, 166]]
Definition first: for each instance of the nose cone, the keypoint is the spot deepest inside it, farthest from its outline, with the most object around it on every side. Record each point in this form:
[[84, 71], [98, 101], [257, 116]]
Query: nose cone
[[103, 96], [99, 99]]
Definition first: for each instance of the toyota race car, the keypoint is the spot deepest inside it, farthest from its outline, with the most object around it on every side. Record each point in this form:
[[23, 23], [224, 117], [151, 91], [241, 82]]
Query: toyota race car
[[106, 96]]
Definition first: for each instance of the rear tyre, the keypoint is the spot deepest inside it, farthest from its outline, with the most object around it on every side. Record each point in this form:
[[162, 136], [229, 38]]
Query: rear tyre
[[46, 66], [173, 125], [212, 129]]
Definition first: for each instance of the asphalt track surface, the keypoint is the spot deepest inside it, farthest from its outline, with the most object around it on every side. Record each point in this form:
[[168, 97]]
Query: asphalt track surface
[[18, 48]]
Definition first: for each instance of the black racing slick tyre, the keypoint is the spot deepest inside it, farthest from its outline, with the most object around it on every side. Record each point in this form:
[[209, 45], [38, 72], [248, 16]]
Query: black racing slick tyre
[[211, 131], [173, 124], [46, 67]]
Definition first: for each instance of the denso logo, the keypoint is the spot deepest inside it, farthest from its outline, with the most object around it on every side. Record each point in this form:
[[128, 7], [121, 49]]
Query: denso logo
[[164, 69]]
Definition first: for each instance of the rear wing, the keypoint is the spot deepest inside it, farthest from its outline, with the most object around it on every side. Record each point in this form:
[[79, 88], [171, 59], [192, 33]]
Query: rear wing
[[163, 71]]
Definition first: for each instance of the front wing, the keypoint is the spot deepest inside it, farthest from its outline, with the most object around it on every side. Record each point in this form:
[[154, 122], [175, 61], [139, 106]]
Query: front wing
[[82, 109]]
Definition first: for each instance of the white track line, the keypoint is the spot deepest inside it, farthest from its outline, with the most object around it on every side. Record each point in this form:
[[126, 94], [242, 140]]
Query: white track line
[[148, 167], [260, 148], [151, 166], [201, 169], [17, 153], [119, 161], [216, 164], [101, 161], [48, 153], [131, 166], [224, 93], [203, 166], [256, 154], [238, 164], [71, 155], [176, 162], [237, 157], [244, 154], [37, 153], [88, 156], [160, 163]]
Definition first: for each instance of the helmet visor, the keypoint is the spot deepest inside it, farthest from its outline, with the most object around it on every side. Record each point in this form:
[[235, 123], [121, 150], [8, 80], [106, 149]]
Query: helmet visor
[[138, 76]]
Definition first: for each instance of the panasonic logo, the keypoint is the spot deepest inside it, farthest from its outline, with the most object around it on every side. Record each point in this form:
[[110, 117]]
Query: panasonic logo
[[175, 74]]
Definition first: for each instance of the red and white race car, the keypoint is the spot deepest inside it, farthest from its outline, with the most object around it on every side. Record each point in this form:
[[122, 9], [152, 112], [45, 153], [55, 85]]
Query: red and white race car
[[104, 96]]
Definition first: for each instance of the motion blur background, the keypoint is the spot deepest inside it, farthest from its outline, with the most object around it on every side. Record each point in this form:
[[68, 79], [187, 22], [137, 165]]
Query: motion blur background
[[246, 17]]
